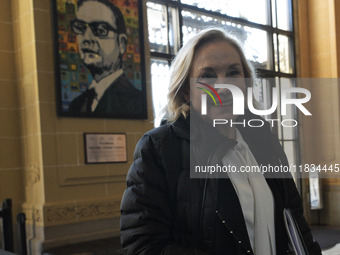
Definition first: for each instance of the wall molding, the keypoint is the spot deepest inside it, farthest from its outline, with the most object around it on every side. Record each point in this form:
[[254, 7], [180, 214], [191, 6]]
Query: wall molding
[[72, 212]]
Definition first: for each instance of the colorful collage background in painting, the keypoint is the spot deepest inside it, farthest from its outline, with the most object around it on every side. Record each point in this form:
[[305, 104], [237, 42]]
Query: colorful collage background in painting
[[74, 76]]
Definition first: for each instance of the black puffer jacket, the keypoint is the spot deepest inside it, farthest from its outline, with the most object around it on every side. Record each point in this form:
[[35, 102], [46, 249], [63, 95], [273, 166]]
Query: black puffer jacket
[[164, 211]]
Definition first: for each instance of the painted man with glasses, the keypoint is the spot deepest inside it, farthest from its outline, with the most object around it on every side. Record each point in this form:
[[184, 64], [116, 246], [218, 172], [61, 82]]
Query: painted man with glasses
[[100, 30]]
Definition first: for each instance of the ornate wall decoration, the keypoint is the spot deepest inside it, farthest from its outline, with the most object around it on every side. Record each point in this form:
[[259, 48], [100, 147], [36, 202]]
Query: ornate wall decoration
[[81, 212], [37, 215], [32, 174], [33, 214]]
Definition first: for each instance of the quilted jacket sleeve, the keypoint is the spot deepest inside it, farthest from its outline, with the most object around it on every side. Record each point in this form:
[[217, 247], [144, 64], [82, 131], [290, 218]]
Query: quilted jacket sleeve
[[146, 214]]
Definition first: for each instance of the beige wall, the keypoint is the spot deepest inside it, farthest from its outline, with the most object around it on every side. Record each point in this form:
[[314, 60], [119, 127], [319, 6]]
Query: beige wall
[[42, 157], [318, 45]]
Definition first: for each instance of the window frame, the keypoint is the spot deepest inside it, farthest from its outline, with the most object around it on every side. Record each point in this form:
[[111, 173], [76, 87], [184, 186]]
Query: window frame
[[261, 72]]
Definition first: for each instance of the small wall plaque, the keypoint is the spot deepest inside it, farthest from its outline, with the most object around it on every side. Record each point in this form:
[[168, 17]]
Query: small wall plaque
[[105, 148]]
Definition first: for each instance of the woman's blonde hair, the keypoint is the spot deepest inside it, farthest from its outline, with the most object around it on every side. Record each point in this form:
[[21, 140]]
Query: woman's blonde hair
[[177, 102]]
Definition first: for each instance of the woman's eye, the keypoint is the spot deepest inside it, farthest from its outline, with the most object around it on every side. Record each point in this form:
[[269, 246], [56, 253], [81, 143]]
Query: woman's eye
[[233, 73], [207, 76]]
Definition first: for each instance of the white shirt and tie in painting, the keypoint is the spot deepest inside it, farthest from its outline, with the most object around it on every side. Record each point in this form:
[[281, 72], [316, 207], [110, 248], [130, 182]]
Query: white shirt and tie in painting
[[101, 86]]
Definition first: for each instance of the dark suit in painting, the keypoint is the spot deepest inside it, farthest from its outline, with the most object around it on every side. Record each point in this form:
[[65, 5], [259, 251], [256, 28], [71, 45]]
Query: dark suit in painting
[[121, 99]]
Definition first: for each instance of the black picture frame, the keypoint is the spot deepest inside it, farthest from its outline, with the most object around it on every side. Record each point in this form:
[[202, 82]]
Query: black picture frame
[[123, 99]]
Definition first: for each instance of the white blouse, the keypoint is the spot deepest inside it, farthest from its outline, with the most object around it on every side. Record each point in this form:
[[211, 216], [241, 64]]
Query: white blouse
[[255, 197]]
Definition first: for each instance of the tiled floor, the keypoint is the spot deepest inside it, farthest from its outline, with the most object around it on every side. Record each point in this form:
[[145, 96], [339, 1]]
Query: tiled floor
[[327, 237], [332, 251], [110, 246]]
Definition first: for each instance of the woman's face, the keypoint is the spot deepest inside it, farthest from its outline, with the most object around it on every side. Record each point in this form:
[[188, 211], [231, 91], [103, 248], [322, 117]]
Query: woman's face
[[216, 62]]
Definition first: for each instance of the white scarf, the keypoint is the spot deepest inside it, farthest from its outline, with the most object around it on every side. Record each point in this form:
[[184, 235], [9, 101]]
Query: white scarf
[[255, 197]]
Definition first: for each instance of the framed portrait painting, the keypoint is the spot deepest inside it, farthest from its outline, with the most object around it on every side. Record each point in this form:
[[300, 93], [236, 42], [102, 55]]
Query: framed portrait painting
[[99, 58]]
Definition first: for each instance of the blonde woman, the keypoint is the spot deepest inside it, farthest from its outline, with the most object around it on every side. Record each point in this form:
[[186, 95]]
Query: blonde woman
[[164, 211]]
